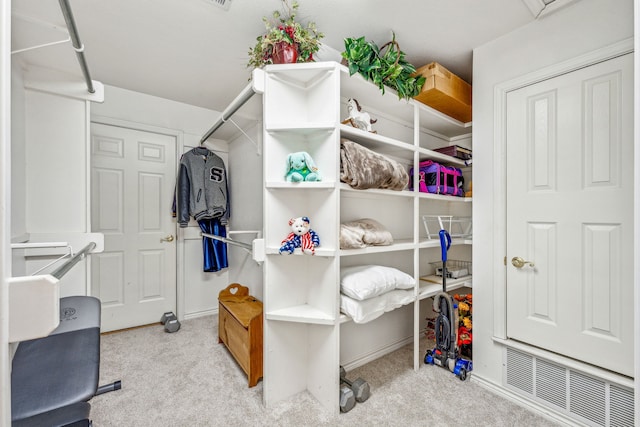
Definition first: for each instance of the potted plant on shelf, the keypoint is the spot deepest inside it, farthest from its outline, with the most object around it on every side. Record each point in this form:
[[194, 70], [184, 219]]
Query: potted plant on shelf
[[384, 66], [286, 40]]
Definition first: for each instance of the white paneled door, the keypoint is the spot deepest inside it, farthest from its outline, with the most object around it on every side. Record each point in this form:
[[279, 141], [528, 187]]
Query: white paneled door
[[570, 214], [132, 182]]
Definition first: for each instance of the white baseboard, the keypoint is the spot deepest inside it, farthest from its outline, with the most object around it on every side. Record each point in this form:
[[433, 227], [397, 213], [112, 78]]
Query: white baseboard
[[211, 312], [376, 354]]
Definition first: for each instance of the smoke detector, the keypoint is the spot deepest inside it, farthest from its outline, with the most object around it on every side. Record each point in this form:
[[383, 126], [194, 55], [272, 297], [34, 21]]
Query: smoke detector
[[223, 4]]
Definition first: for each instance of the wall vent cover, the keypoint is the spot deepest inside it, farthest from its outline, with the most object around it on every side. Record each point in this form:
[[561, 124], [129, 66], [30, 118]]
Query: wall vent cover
[[621, 402], [585, 398], [224, 4], [551, 383], [520, 370]]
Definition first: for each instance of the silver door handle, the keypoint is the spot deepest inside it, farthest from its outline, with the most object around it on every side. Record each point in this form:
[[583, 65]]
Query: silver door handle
[[519, 262], [169, 238]]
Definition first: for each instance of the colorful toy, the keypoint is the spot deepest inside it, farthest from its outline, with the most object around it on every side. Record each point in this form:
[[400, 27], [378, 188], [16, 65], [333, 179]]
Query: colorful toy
[[301, 236], [301, 167], [465, 314]]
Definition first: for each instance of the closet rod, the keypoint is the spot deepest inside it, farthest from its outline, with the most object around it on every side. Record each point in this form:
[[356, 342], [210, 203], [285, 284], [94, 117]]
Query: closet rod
[[75, 41], [240, 100], [229, 241], [64, 268]]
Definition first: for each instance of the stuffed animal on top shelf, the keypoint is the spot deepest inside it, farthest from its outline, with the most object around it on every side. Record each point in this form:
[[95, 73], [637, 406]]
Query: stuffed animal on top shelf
[[301, 236], [301, 167], [358, 118]]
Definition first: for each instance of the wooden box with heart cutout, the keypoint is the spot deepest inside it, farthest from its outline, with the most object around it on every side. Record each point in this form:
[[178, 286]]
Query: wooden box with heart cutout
[[240, 328]]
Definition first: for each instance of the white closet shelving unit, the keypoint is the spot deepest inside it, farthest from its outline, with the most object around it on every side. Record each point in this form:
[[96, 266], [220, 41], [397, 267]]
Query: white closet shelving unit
[[304, 105]]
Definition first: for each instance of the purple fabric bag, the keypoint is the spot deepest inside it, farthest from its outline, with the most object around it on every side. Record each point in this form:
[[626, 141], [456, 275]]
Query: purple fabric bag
[[438, 179]]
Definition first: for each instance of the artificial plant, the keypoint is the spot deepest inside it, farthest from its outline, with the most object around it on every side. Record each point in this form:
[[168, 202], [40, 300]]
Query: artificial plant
[[283, 27], [386, 66]]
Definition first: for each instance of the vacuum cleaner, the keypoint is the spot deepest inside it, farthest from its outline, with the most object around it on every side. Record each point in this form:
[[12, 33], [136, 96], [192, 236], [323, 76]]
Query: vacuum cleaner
[[445, 353]]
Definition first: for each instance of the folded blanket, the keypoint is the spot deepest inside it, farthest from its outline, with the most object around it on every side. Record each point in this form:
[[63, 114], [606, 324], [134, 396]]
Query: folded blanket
[[363, 232], [372, 308], [362, 168]]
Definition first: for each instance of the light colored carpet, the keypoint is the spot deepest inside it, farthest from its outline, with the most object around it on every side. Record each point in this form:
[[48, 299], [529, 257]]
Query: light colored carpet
[[188, 379]]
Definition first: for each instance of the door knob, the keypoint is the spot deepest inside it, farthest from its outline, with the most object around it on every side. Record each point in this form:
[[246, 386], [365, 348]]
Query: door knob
[[518, 262], [169, 238]]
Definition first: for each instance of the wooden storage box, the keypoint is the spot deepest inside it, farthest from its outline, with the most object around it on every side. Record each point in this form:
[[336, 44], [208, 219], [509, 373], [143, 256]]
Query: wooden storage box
[[445, 92], [240, 329]]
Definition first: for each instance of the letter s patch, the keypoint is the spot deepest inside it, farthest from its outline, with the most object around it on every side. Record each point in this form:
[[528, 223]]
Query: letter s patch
[[216, 174]]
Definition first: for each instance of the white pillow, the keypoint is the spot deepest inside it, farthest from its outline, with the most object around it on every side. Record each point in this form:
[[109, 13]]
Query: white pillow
[[366, 311], [367, 281]]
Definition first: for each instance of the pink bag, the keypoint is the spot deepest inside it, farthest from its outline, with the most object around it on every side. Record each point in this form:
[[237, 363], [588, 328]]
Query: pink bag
[[438, 179]]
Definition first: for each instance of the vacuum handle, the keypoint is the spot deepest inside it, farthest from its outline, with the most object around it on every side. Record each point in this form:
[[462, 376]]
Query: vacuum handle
[[445, 243]]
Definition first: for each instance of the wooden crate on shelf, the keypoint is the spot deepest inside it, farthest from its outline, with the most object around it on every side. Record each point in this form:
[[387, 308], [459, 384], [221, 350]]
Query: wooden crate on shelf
[[240, 328], [445, 92]]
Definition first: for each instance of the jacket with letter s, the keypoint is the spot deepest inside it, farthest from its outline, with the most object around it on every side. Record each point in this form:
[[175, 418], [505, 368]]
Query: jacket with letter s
[[202, 190]]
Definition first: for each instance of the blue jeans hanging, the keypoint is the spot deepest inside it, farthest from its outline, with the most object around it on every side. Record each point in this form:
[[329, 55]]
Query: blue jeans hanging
[[214, 251]]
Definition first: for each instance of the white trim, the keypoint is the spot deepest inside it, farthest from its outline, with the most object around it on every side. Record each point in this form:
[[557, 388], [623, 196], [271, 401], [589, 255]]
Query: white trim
[[376, 354], [500, 171], [110, 121], [525, 402], [636, 207], [590, 58], [204, 313], [5, 209], [87, 188]]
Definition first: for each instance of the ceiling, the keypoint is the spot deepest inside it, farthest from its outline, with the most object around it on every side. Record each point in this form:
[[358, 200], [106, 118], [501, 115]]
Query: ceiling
[[194, 51]]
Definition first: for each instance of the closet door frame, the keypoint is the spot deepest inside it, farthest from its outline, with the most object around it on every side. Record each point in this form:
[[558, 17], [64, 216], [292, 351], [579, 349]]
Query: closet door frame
[[179, 136], [500, 173]]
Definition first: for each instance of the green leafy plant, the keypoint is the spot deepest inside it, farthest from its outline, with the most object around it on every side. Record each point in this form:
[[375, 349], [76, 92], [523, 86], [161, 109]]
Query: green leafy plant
[[386, 66], [283, 27]]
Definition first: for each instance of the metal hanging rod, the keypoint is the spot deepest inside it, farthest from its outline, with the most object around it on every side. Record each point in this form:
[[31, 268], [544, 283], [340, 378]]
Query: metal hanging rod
[[77, 44], [240, 100], [256, 86], [243, 245], [64, 268]]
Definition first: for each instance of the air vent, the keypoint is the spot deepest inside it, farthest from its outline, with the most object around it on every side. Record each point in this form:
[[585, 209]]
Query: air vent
[[621, 404], [540, 8], [520, 370], [551, 383], [585, 398], [224, 4]]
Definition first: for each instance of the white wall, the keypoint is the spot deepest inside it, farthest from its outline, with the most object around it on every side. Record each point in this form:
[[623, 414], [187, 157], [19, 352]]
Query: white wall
[[55, 163], [580, 28], [18, 153], [18, 178], [245, 182], [50, 164]]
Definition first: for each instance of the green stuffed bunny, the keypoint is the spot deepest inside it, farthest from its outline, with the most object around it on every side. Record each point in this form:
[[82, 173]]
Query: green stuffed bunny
[[300, 167]]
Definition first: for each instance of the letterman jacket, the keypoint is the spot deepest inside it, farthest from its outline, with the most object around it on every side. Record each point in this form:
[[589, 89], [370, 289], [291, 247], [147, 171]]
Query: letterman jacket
[[202, 190]]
